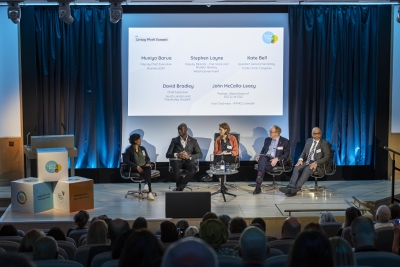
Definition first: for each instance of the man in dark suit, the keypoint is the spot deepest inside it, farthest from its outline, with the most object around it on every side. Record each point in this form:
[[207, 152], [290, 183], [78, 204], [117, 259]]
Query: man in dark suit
[[276, 151], [316, 152], [184, 152]]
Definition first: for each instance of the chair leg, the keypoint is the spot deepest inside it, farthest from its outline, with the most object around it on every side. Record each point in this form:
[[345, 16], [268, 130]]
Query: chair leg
[[274, 184], [316, 187]]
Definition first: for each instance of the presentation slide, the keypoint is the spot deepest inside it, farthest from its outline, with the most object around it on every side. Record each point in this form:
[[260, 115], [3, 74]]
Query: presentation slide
[[205, 71]]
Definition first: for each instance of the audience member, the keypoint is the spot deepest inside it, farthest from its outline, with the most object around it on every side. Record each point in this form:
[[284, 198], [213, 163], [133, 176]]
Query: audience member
[[57, 234], [45, 248], [169, 233], [225, 219], [120, 243], [101, 217], [363, 234], [182, 225], [13, 260], [192, 230], [291, 227], [396, 237], [8, 230], [325, 217], [142, 249], [139, 223], [395, 210], [311, 249], [382, 217], [97, 233], [351, 214], [237, 225], [190, 252], [80, 219], [342, 252], [214, 232], [253, 247], [261, 222], [209, 215], [29, 239], [258, 226], [314, 226]]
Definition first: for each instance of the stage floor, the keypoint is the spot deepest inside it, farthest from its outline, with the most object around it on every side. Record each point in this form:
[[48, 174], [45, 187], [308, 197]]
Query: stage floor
[[110, 199]]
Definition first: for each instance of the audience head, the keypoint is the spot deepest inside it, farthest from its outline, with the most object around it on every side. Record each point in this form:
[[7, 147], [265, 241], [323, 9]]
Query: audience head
[[362, 232], [214, 232], [8, 230], [261, 222], [342, 252], [120, 243], [45, 248], [97, 233], [57, 234], [139, 223], [314, 226], [351, 214], [14, 259], [225, 219], [253, 246], [383, 214], [182, 224], [395, 210], [192, 230], [325, 217], [207, 216], [29, 239], [291, 228], [116, 227], [81, 219], [311, 249], [237, 225], [169, 233], [101, 217], [142, 249], [190, 252]]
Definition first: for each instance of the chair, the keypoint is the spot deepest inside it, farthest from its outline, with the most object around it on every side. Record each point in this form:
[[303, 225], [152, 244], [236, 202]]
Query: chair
[[331, 228], [183, 173], [384, 238], [284, 245], [271, 238], [82, 240], [58, 263], [68, 247], [101, 258], [76, 234], [16, 239], [277, 261], [329, 169], [82, 253], [2, 251], [346, 235], [274, 252], [9, 246], [21, 233], [234, 236], [377, 259], [69, 239], [230, 244], [113, 263], [229, 261]]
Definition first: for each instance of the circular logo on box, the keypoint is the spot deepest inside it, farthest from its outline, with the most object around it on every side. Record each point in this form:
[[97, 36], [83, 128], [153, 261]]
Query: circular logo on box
[[21, 198], [53, 167], [61, 197], [269, 38]]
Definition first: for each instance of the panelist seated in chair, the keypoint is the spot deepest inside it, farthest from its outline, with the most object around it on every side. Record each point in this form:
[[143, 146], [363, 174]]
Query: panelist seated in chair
[[316, 152], [276, 150], [138, 160], [184, 152]]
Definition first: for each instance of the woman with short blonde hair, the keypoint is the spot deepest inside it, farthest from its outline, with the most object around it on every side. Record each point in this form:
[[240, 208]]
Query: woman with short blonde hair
[[97, 233]]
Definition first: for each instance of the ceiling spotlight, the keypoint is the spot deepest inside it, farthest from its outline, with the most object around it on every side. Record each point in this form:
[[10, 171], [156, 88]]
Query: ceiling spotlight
[[116, 12], [64, 12], [14, 12]]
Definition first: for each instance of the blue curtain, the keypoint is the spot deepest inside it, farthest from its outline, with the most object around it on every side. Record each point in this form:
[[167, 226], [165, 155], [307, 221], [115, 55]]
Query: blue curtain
[[333, 78], [79, 81]]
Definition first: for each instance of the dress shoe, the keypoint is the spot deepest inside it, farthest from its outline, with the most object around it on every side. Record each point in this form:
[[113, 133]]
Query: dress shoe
[[257, 190], [291, 194], [177, 189], [285, 190], [207, 178]]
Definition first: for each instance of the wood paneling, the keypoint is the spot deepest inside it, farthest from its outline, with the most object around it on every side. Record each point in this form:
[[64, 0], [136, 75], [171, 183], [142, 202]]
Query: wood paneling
[[11, 160]]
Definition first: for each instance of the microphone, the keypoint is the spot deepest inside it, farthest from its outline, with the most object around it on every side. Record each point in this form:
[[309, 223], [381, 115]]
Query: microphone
[[62, 124], [27, 139]]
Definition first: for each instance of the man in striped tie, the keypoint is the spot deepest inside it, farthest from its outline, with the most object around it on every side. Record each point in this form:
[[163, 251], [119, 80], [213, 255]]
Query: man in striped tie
[[316, 152]]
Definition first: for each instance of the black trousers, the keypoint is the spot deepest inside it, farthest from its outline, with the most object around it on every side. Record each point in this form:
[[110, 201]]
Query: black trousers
[[189, 166], [264, 165], [146, 174]]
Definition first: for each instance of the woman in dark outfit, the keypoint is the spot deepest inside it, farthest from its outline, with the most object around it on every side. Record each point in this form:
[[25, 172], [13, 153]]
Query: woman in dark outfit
[[137, 158]]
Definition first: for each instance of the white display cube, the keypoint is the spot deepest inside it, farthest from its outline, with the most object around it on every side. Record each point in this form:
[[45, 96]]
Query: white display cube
[[52, 164], [74, 194], [31, 195]]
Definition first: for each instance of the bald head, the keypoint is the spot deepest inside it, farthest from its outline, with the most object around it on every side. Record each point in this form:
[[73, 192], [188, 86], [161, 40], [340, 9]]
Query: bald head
[[253, 245], [291, 227], [190, 252], [363, 232], [316, 133], [383, 214], [116, 227]]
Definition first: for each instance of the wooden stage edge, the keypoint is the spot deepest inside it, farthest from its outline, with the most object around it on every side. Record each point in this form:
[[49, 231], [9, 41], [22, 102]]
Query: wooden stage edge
[[271, 205]]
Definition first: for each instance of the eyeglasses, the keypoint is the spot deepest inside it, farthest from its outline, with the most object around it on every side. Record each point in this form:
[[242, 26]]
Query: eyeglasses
[[317, 133], [272, 131]]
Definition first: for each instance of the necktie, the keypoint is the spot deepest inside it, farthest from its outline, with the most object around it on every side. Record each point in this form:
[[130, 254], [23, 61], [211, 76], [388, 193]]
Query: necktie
[[311, 153], [271, 148]]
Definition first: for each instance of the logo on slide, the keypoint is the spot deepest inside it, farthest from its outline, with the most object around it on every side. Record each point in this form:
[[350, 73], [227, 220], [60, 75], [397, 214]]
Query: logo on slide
[[53, 167], [21, 198], [61, 197], [269, 38]]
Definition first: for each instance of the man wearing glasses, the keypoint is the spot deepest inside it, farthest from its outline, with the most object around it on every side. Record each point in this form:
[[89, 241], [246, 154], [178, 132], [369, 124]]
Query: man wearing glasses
[[276, 150], [316, 152]]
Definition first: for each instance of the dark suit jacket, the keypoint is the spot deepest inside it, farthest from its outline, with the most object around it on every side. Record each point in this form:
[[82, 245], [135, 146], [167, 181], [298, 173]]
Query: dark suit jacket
[[129, 157], [281, 154], [319, 157], [192, 148]]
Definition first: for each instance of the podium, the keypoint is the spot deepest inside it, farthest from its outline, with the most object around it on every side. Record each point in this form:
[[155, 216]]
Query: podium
[[74, 194]]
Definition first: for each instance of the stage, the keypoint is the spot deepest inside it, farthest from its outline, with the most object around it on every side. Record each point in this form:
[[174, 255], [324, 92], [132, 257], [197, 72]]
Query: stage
[[270, 205]]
